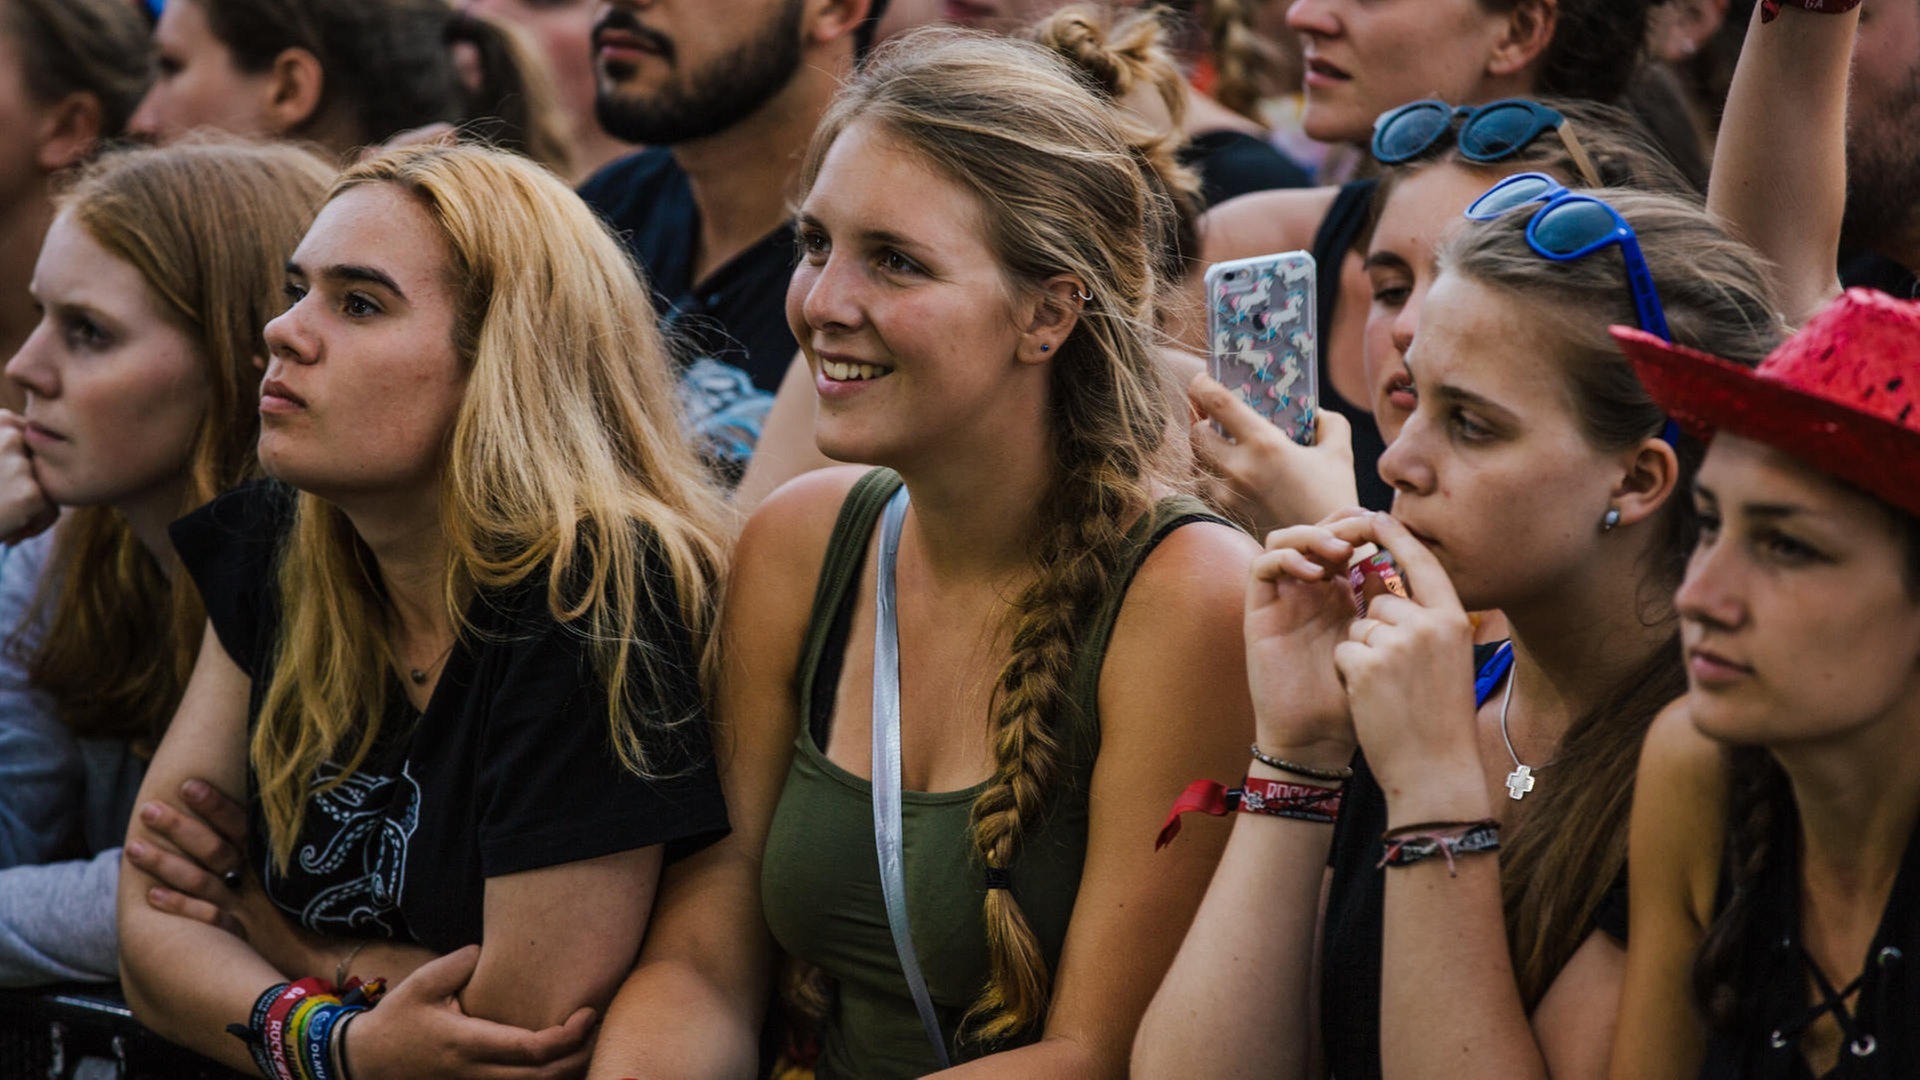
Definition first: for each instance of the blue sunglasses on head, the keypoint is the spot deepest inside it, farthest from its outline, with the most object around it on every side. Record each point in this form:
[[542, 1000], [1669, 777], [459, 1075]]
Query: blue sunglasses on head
[[1570, 226]]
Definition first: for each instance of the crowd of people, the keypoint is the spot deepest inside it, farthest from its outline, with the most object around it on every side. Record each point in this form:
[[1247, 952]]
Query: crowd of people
[[643, 538]]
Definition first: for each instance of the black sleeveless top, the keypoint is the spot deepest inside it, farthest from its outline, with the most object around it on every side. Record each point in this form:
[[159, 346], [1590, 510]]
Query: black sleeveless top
[[1882, 1025], [1350, 946], [1339, 231]]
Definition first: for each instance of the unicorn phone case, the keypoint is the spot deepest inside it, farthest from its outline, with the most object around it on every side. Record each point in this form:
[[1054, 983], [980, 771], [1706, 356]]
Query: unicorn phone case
[[1262, 343]]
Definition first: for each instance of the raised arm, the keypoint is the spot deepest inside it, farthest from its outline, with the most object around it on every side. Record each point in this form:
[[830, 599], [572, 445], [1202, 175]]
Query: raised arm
[[1779, 165], [1674, 846], [1239, 998], [694, 1005]]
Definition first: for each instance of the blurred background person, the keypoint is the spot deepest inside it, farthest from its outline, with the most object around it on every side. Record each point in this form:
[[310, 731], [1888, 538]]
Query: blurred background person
[[348, 75], [563, 32], [726, 94], [71, 72]]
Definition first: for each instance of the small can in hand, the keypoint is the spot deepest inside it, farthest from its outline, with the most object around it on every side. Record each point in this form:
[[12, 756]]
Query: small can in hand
[[1373, 575]]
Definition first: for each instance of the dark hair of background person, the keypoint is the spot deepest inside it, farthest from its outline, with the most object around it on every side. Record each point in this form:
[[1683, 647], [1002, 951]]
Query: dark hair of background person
[[1760, 800], [1558, 864], [97, 47], [864, 33], [389, 67]]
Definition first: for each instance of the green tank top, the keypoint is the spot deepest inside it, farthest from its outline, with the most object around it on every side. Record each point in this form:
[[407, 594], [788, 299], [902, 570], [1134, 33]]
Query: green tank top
[[820, 877]]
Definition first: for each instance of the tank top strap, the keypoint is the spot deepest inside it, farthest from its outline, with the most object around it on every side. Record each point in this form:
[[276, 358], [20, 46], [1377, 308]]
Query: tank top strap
[[1152, 527], [1346, 219], [846, 554]]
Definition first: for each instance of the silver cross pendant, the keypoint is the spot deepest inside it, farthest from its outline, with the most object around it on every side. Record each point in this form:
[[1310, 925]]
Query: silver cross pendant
[[1519, 782]]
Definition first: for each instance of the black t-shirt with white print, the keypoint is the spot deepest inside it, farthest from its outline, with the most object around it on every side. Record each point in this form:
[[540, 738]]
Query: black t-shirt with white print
[[510, 767]]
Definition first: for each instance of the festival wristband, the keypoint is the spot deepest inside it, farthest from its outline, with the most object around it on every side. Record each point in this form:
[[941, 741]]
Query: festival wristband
[[1770, 9], [1274, 798], [1416, 843], [249, 1032], [275, 1029]]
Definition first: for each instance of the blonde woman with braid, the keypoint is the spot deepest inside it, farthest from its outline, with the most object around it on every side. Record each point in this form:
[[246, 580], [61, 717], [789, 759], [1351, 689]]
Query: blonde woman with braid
[[452, 660], [973, 298]]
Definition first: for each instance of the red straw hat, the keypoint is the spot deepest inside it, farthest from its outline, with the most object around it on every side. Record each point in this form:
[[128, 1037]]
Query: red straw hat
[[1842, 395]]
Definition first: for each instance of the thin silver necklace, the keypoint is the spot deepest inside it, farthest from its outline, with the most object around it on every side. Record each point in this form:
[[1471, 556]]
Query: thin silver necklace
[[1521, 779]]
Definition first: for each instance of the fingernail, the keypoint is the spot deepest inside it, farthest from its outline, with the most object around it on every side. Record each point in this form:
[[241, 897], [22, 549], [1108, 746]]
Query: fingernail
[[150, 813], [158, 893], [136, 849], [195, 789]]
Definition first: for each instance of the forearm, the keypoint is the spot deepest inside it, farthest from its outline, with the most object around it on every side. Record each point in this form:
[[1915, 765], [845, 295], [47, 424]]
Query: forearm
[[187, 980], [1236, 1001], [1449, 1002], [1779, 165], [57, 922], [671, 1019], [1051, 1058]]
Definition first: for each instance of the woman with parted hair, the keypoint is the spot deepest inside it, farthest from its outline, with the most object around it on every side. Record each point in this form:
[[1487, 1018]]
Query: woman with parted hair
[[349, 74], [1062, 621], [140, 406], [71, 73], [453, 649], [1465, 914]]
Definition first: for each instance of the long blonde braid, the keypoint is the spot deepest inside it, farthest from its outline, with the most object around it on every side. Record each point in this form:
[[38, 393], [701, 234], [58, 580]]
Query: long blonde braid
[[994, 114]]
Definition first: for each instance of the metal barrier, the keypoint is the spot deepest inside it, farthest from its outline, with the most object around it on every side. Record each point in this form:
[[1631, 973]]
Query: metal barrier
[[88, 1033]]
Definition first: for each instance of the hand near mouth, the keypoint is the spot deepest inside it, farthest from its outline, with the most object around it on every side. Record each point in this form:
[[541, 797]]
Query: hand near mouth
[[25, 510]]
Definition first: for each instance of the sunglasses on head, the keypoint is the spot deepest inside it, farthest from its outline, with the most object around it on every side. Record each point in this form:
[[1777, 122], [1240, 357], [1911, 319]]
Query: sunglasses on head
[[1486, 133], [1570, 226]]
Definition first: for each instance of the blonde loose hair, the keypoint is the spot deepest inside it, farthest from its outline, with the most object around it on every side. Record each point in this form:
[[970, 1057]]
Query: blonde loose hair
[[565, 464], [209, 226], [1063, 189]]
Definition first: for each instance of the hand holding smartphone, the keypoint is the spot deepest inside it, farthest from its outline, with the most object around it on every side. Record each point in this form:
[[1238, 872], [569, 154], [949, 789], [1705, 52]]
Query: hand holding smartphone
[[1262, 340]]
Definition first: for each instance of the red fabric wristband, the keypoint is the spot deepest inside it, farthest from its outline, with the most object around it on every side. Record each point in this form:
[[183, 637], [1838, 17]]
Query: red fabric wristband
[[280, 1011], [1275, 798], [1770, 9]]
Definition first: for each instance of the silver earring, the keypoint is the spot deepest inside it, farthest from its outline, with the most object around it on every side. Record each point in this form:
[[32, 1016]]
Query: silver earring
[[1610, 519], [1085, 295]]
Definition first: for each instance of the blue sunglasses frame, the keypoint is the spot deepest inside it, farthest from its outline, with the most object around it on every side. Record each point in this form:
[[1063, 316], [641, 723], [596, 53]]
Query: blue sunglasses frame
[[1555, 198], [1526, 189]]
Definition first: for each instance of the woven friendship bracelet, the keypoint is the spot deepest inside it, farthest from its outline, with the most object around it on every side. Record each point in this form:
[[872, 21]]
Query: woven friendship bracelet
[[1413, 843], [1275, 798]]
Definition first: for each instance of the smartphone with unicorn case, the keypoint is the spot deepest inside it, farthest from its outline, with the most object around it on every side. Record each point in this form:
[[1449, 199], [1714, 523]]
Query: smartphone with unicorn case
[[1261, 337]]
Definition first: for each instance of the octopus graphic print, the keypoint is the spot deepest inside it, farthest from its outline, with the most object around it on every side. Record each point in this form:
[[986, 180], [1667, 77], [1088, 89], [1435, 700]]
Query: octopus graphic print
[[347, 872]]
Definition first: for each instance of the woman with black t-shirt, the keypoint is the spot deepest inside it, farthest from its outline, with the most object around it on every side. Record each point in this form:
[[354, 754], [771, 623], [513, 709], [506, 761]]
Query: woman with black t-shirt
[[454, 648]]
